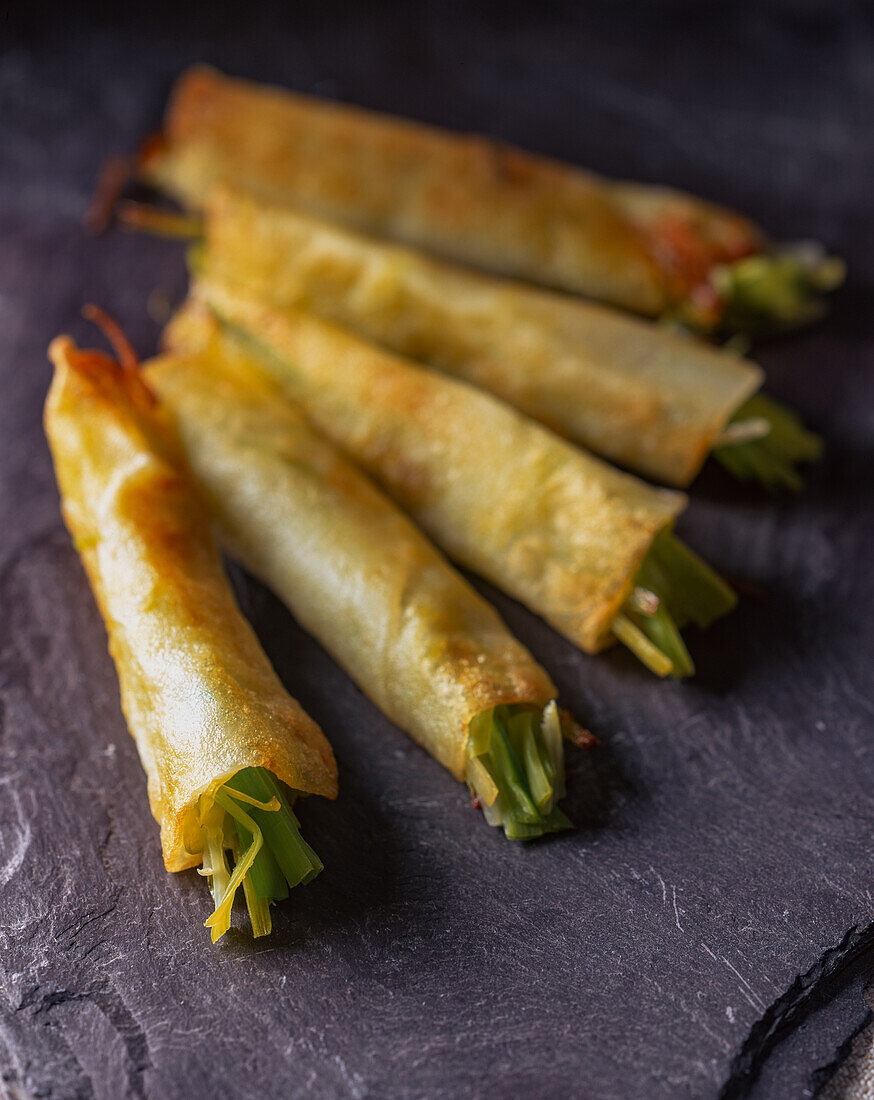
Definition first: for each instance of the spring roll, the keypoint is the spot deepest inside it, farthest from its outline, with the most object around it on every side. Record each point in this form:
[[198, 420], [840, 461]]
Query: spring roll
[[551, 525], [420, 642], [649, 250], [224, 746], [646, 396]]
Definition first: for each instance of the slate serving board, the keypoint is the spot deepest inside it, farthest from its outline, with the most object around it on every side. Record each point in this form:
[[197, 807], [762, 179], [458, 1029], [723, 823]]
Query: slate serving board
[[722, 866]]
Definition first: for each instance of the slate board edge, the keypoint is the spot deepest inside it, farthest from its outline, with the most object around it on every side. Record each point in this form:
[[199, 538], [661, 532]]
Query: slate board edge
[[789, 1010], [821, 1077]]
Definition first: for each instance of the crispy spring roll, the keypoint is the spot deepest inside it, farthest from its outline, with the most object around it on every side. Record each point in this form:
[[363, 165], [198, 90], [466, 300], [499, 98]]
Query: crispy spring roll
[[647, 396], [224, 746], [551, 525], [646, 249], [419, 641]]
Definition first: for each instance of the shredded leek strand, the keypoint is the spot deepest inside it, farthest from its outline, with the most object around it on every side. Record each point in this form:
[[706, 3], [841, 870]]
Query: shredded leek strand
[[298, 862], [537, 769], [216, 869], [550, 727], [155, 220], [482, 783], [267, 879], [259, 910], [270, 806], [258, 907], [220, 920], [640, 645]]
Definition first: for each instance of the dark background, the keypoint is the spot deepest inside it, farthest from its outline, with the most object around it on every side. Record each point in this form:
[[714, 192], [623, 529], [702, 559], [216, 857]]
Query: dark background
[[719, 883]]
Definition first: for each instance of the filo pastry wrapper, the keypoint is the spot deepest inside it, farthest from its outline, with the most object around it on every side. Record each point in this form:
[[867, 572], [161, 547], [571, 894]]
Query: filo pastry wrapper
[[646, 396], [465, 197], [548, 523], [352, 568], [200, 697]]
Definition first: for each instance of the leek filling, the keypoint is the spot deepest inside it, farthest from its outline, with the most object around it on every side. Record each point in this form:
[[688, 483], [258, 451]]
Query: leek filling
[[672, 587], [251, 817], [779, 290], [764, 442], [159, 222], [515, 769]]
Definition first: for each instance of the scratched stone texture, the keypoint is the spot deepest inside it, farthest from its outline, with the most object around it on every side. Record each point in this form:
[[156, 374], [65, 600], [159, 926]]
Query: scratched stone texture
[[723, 860]]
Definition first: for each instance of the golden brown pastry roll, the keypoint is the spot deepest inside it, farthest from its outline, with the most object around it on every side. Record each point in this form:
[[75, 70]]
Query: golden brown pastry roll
[[647, 249], [644, 395], [550, 524], [355, 571], [222, 742]]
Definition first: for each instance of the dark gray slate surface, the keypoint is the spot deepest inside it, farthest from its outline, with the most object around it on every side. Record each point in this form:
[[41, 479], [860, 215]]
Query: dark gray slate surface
[[724, 847]]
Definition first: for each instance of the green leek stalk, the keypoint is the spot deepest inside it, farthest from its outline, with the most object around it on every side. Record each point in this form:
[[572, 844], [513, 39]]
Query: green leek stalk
[[251, 816], [764, 442], [673, 587], [772, 292], [515, 769]]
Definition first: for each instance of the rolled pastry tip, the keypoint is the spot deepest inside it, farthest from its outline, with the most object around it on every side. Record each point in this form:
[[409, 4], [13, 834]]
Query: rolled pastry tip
[[430, 652], [550, 524], [648, 249], [224, 746]]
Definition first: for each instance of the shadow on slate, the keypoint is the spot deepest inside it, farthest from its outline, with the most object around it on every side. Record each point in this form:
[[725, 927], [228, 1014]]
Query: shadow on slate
[[723, 847]]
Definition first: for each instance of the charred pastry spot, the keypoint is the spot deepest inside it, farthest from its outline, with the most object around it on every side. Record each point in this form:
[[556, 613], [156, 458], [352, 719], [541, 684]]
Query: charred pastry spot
[[407, 476], [644, 601], [706, 306], [746, 588], [114, 333], [98, 364], [152, 148], [684, 246], [512, 166], [572, 731], [114, 174], [687, 249]]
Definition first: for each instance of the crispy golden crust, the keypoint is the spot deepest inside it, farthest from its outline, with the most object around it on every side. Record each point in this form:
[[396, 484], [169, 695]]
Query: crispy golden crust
[[418, 640], [643, 395], [200, 697], [551, 525], [461, 196]]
